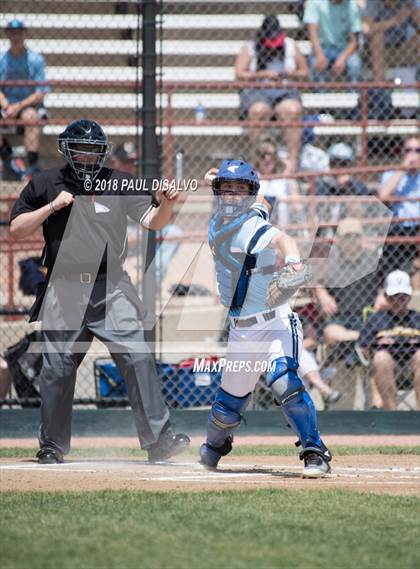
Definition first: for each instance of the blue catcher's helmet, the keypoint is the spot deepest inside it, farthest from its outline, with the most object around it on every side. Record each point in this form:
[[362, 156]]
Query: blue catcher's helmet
[[231, 203]]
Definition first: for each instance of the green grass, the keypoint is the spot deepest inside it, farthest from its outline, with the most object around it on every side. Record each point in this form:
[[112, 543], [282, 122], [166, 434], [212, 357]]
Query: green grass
[[257, 529], [248, 450]]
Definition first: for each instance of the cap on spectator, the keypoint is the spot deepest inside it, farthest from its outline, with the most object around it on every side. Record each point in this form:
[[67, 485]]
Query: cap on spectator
[[16, 25], [341, 151], [127, 152], [349, 225], [398, 282]]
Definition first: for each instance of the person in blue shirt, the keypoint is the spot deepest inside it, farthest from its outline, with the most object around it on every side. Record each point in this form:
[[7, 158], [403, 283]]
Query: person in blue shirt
[[403, 184], [244, 245], [333, 26], [22, 102]]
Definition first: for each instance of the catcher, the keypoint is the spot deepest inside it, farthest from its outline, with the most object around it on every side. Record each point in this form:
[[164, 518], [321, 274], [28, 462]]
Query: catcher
[[263, 327]]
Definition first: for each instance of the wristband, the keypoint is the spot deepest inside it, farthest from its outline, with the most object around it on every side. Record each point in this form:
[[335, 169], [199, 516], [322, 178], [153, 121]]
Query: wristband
[[292, 259], [52, 208]]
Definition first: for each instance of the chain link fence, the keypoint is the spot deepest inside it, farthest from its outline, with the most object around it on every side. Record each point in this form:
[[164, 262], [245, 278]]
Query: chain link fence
[[335, 140]]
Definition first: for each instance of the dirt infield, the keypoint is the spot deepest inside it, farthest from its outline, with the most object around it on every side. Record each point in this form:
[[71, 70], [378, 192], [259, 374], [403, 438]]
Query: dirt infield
[[385, 474]]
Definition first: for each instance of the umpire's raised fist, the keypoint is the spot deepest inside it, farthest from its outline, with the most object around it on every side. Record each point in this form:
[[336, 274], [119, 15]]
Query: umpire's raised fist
[[63, 200]]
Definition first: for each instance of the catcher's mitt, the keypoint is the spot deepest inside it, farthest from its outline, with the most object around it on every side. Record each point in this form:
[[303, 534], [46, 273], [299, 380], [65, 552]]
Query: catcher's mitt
[[286, 283]]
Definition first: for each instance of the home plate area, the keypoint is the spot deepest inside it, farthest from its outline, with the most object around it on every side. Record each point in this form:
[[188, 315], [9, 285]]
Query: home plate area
[[374, 473]]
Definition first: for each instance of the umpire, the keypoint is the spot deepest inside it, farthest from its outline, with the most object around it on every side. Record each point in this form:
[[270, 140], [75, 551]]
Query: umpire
[[83, 209]]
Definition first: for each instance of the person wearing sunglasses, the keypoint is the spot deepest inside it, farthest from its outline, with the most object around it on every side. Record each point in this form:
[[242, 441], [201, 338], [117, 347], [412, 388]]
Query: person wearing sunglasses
[[405, 185]]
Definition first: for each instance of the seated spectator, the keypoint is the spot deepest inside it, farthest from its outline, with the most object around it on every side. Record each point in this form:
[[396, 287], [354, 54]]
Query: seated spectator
[[347, 283], [311, 157], [310, 373], [125, 158], [390, 23], [403, 184], [333, 26], [276, 190], [26, 103], [272, 57], [392, 336], [340, 156]]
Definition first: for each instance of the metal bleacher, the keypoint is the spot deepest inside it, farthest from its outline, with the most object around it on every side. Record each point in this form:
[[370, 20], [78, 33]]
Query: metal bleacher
[[95, 40]]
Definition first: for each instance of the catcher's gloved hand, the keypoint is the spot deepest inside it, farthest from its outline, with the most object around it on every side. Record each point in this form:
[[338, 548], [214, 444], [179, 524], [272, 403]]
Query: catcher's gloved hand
[[286, 283]]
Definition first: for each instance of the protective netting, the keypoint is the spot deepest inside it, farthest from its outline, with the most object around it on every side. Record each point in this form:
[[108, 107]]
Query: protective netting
[[334, 137]]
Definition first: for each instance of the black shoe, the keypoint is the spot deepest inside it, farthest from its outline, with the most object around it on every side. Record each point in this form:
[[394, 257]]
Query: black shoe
[[47, 456], [168, 445], [315, 466]]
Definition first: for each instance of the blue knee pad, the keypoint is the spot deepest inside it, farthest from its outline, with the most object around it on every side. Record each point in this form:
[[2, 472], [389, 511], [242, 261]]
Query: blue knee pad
[[295, 402], [225, 416]]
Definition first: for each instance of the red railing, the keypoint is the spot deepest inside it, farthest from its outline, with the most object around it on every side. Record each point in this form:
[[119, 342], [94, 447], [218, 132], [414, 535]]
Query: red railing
[[169, 122], [171, 87]]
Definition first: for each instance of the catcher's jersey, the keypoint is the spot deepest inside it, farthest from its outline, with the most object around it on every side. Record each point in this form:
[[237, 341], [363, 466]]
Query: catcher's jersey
[[253, 237]]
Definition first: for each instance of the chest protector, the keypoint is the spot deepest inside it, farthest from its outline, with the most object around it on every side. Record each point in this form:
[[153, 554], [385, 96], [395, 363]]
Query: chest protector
[[232, 269]]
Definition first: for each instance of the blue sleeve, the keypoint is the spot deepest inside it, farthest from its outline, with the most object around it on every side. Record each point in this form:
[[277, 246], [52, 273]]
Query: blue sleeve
[[3, 67], [38, 72], [355, 19], [311, 14], [386, 176]]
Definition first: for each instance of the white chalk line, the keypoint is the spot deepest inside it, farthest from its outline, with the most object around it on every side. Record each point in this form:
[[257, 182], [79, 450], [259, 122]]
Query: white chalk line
[[201, 475]]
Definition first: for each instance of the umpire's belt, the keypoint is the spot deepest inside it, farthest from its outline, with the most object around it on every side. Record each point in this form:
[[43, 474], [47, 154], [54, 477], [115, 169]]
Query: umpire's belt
[[252, 320], [84, 277]]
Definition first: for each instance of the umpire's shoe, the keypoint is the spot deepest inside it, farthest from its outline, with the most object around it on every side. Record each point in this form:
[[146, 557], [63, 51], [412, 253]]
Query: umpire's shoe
[[168, 445], [48, 456], [316, 461], [210, 455]]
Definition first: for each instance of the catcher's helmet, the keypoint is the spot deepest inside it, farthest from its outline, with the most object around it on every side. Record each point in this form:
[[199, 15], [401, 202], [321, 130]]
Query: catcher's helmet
[[235, 171], [85, 146]]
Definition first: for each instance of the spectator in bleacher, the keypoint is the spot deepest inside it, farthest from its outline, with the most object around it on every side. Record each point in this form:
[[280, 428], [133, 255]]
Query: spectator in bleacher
[[392, 336], [391, 24], [272, 57], [125, 158], [276, 190], [333, 26], [403, 184], [311, 157], [341, 185], [311, 375], [26, 102], [347, 284]]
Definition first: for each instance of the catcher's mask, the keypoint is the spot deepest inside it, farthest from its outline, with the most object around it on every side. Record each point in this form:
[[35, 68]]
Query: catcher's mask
[[85, 146], [232, 199]]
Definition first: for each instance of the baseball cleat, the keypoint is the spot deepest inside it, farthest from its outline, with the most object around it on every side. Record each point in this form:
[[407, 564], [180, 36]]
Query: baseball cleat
[[46, 456], [168, 445], [315, 466]]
